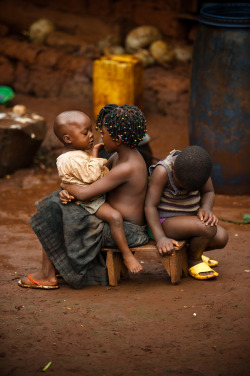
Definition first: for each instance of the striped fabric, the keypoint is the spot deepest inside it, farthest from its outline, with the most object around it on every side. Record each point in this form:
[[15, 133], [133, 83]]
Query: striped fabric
[[175, 202]]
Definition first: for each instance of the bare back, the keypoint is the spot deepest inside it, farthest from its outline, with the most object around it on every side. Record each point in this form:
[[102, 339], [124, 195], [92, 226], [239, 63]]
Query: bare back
[[128, 198]]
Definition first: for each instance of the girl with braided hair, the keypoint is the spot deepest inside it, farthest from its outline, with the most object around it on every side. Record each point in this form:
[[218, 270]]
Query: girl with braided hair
[[79, 165], [71, 237], [122, 128], [126, 121]]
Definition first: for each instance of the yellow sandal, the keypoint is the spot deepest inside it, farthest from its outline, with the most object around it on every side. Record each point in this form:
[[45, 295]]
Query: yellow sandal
[[201, 268], [209, 262]]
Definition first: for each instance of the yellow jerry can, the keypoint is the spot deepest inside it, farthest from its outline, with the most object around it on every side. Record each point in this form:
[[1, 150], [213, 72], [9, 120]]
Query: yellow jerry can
[[117, 79]]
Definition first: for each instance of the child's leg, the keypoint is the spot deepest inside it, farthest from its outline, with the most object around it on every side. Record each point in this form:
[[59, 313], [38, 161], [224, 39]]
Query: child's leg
[[219, 241], [115, 220], [200, 236]]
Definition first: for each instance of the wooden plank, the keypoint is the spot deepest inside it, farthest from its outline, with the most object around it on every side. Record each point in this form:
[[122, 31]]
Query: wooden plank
[[175, 265], [149, 247]]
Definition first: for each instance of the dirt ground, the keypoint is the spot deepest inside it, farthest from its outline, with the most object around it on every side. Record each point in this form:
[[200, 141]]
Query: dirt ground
[[145, 325]]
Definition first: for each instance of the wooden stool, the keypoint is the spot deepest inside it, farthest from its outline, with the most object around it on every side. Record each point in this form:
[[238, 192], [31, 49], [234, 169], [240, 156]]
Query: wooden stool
[[176, 265]]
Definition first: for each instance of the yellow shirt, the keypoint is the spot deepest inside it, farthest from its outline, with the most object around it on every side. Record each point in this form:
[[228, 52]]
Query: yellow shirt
[[79, 167]]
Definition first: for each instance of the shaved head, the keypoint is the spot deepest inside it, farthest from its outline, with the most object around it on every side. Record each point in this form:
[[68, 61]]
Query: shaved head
[[65, 120]]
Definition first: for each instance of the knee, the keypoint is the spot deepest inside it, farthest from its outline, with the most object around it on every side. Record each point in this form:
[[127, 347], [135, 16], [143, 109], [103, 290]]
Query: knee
[[208, 231], [222, 237], [116, 219]]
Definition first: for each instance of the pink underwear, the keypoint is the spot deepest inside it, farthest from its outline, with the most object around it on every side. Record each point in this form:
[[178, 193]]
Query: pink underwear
[[162, 220]]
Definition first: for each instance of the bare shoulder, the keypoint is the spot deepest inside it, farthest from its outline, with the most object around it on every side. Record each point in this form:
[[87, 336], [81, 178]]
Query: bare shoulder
[[136, 163], [160, 170], [124, 167], [160, 174], [132, 170]]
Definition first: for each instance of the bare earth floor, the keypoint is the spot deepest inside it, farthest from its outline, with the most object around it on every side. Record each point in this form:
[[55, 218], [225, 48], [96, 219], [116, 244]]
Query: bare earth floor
[[144, 326]]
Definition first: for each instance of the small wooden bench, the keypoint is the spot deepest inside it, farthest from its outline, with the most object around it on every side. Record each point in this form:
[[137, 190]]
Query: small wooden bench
[[176, 265]]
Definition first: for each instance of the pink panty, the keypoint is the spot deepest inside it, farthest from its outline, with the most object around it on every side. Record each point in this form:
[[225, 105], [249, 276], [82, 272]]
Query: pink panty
[[162, 220]]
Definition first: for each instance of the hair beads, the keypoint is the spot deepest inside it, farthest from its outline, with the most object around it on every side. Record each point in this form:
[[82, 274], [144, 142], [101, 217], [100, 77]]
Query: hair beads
[[126, 121]]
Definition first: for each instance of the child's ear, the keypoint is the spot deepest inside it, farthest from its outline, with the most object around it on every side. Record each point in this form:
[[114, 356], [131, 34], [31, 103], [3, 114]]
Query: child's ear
[[66, 139], [118, 140]]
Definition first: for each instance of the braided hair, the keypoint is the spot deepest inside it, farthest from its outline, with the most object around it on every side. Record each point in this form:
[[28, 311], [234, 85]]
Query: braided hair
[[126, 121]]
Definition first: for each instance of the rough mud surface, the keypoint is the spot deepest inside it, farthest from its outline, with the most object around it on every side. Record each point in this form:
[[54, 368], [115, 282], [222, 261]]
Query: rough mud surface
[[144, 326]]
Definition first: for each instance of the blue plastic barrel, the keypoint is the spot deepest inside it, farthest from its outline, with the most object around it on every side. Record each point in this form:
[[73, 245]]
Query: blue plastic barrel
[[220, 94]]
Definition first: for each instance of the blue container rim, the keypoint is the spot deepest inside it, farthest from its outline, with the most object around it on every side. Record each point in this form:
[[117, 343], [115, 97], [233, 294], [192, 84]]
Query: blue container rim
[[235, 15]]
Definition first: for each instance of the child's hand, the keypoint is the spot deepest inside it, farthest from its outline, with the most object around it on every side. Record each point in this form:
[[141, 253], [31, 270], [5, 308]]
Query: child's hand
[[165, 246], [96, 149], [207, 217], [65, 197]]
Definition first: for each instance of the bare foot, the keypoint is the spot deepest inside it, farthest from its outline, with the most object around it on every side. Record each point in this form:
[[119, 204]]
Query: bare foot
[[132, 264], [40, 279]]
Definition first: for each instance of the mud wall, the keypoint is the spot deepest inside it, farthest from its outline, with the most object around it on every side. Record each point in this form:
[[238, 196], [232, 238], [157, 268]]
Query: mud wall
[[62, 66]]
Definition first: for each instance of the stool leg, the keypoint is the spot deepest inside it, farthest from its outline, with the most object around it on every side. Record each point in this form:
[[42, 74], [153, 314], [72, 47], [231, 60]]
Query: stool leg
[[116, 267], [113, 280], [124, 270], [175, 267], [120, 268], [166, 263], [184, 260], [179, 265]]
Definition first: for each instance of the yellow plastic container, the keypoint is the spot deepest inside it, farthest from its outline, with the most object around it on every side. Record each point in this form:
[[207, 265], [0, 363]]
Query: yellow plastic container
[[117, 79]]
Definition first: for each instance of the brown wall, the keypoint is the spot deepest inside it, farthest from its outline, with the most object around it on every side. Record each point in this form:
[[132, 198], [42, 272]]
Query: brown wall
[[50, 71], [165, 14]]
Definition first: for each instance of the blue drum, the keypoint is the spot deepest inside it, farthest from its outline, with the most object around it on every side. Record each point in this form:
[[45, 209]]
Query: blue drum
[[220, 94]]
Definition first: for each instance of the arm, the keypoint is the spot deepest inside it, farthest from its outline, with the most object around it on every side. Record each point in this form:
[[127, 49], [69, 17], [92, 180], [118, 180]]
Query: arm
[[95, 153], [158, 181], [96, 149], [207, 202], [117, 176]]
